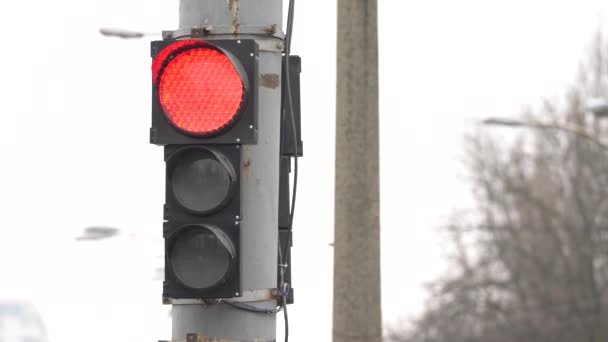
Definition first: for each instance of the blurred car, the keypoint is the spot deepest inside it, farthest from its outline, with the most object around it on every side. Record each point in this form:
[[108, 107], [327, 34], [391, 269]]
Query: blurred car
[[21, 322]]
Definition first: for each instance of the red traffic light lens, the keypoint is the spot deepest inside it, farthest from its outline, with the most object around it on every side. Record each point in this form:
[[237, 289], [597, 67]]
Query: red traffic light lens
[[199, 88]]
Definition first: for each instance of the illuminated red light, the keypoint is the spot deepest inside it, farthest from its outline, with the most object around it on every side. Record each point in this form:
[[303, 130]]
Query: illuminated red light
[[199, 88]]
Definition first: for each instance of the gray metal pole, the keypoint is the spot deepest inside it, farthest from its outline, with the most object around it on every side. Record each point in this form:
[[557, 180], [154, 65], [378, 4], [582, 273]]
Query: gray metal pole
[[357, 305], [259, 181]]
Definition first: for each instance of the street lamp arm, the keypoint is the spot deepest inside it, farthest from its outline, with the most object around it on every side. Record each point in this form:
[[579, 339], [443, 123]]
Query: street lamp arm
[[572, 129], [503, 122], [120, 33]]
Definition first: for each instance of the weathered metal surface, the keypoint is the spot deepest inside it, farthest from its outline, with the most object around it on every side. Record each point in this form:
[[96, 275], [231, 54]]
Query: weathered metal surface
[[258, 247], [233, 7], [260, 188], [223, 321], [262, 20], [238, 15]]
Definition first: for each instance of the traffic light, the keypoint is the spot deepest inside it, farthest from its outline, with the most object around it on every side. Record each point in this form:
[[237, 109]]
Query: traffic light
[[203, 111]]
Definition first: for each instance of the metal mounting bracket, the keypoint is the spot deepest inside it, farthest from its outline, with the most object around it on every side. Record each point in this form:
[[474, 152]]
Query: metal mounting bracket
[[249, 296], [211, 30]]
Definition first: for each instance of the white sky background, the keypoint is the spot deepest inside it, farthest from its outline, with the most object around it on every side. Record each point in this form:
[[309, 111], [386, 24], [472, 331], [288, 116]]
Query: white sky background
[[74, 141]]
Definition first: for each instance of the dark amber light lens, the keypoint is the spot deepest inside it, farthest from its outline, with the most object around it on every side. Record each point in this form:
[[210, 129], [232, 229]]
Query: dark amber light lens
[[201, 257], [200, 180]]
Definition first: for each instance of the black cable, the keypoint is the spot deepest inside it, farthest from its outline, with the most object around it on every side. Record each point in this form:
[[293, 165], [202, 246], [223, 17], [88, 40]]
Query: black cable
[[284, 287], [286, 319], [290, 103], [250, 308], [290, 14]]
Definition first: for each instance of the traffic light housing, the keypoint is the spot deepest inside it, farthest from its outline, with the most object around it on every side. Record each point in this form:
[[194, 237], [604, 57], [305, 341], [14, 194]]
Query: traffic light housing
[[202, 214], [203, 110], [288, 151]]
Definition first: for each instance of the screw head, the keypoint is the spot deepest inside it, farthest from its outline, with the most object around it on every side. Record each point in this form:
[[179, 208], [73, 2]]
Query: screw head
[[238, 140], [238, 41], [251, 54]]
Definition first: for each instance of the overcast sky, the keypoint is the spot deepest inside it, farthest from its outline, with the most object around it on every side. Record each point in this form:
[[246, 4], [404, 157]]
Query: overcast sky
[[74, 142]]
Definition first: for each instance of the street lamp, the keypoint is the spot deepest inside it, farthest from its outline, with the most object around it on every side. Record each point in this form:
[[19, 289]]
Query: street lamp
[[503, 122], [97, 233], [598, 106], [125, 34], [572, 129]]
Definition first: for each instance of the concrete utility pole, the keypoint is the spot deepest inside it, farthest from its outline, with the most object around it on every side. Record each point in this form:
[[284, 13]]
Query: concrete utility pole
[[260, 20], [357, 299]]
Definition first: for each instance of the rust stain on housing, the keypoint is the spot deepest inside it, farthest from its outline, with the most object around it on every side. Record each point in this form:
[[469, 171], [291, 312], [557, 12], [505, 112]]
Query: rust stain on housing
[[269, 81], [234, 8], [246, 163]]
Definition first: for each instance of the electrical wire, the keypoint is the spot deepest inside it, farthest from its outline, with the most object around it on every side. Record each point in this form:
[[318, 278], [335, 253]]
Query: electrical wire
[[293, 120], [284, 287], [251, 308], [286, 319]]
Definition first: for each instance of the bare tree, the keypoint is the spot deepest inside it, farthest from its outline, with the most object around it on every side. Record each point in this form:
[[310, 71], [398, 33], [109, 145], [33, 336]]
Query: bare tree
[[530, 262]]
